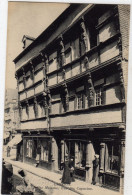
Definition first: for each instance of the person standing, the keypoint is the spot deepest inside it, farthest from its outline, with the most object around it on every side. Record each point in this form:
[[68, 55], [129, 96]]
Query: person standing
[[95, 169], [8, 151], [38, 155], [66, 178], [71, 165]]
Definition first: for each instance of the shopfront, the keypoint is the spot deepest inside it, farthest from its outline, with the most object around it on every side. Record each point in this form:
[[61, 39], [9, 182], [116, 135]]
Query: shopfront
[[31, 144], [83, 148]]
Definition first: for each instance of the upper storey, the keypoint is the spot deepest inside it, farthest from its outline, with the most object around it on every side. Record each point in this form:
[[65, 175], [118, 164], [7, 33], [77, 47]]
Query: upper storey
[[103, 26], [71, 46]]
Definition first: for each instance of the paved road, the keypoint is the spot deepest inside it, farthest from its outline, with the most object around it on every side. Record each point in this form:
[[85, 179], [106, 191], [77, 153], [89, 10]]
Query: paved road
[[17, 180], [42, 186]]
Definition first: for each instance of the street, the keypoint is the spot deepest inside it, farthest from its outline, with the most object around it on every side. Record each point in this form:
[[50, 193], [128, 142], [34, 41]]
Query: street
[[42, 186]]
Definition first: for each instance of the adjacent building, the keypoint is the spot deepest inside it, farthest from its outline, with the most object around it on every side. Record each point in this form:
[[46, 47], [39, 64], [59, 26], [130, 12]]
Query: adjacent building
[[72, 91], [11, 118]]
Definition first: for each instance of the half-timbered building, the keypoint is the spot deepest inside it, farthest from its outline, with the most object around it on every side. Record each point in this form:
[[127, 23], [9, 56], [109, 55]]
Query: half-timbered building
[[72, 86]]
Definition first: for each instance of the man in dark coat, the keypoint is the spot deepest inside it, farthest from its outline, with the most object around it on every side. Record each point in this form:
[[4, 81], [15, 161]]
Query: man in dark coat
[[71, 165], [95, 169]]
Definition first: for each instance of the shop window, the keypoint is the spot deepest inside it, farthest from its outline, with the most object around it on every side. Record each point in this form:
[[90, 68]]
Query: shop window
[[34, 152], [29, 148], [45, 150], [113, 158], [80, 154]]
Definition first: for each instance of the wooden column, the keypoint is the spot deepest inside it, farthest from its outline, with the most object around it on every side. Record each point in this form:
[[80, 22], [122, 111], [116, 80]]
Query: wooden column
[[20, 110], [62, 52], [122, 160], [62, 151], [89, 154], [54, 154], [76, 154], [89, 162], [32, 71], [122, 89], [66, 96], [24, 78], [16, 76], [90, 90], [102, 156], [83, 37], [24, 149], [66, 149], [62, 56], [35, 106], [45, 64], [46, 93], [86, 62], [27, 108]]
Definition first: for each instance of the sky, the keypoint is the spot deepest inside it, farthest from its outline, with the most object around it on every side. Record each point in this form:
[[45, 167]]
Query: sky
[[26, 18]]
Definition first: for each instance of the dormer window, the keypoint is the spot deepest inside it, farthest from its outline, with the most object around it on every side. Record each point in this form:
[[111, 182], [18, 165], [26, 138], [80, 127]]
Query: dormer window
[[27, 40]]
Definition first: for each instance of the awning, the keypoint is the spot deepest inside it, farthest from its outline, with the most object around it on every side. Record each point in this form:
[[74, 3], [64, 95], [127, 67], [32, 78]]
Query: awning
[[16, 140], [5, 136]]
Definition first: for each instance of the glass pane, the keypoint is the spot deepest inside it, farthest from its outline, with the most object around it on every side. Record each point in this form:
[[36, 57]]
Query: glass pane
[[113, 158]]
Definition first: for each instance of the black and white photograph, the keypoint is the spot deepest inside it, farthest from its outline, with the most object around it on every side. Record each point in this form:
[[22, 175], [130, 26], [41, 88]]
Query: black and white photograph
[[65, 107]]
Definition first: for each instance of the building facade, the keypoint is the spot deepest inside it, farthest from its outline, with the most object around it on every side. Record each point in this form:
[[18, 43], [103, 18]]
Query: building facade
[[72, 87], [11, 118]]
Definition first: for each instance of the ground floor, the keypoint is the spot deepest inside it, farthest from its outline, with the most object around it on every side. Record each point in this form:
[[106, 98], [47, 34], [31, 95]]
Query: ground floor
[[82, 146]]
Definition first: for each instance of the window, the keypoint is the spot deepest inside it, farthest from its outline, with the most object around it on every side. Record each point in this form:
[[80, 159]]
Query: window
[[68, 53], [80, 154], [80, 100], [41, 109], [29, 148], [29, 78], [98, 96], [113, 158], [31, 111], [45, 150], [53, 61], [24, 113], [75, 49], [7, 110]]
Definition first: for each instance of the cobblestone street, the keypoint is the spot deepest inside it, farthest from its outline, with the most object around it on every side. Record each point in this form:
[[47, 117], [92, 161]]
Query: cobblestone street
[[49, 183], [42, 186], [17, 180]]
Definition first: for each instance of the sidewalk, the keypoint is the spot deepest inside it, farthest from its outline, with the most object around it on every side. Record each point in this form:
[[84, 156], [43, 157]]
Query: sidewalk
[[51, 182]]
